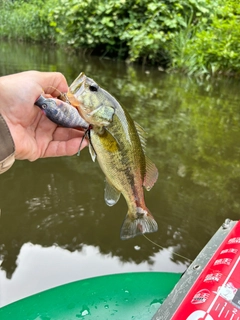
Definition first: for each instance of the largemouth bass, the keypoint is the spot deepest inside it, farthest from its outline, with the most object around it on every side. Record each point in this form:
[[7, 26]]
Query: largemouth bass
[[61, 113], [118, 143]]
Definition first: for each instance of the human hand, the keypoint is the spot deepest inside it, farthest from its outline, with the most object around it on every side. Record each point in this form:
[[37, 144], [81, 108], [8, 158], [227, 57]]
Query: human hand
[[34, 135]]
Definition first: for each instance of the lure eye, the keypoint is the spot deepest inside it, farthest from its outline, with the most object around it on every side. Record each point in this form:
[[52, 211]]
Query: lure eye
[[93, 87]]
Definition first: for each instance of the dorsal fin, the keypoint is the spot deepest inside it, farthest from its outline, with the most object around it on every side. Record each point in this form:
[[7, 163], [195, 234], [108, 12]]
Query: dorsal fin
[[142, 135], [151, 174]]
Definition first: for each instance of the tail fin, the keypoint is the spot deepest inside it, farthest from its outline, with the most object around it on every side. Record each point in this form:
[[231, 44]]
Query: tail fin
[[142, 223]]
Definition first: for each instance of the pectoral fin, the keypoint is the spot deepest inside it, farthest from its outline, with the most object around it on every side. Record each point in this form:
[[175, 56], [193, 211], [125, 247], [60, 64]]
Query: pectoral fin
[[151, 174], [111, 194]]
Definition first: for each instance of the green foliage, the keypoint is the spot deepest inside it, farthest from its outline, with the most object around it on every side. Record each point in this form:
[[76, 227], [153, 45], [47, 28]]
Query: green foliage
[[195, 36], [162, 21], [23, 20], [88, 24], [214, 46], [140, 29]]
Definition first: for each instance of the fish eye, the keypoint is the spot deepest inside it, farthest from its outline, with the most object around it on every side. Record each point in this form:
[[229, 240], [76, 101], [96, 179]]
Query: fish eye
[[93, 87], [44, 106]]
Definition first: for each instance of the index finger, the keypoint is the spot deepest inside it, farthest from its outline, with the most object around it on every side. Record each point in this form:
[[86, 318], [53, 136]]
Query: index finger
[[53, 83]]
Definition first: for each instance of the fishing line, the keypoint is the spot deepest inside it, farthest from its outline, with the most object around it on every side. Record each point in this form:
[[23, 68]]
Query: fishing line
[[83, 137], [176, 254], [62, 96], [55, 89], [158, 245], [87, 132]]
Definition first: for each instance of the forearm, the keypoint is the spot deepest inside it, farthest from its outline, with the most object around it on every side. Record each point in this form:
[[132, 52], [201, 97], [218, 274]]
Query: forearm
[[7, 147]]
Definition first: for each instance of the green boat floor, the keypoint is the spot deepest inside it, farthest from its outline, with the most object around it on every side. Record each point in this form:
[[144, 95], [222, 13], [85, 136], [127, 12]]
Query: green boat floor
[[127, 296]]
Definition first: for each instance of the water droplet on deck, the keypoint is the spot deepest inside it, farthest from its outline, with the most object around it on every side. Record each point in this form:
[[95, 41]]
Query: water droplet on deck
[[84, 312], [137, 248], [155, 304]]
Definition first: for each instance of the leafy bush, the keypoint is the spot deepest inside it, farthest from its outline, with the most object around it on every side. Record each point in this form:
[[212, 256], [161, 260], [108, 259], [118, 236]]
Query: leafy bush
[[24, 20], [88, 24], [140, 29], [214, 47], [152, 36]]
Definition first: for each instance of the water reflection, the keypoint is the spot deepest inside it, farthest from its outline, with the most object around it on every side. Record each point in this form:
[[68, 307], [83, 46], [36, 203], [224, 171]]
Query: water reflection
[[193, 137], [63, 205], [36, 263]]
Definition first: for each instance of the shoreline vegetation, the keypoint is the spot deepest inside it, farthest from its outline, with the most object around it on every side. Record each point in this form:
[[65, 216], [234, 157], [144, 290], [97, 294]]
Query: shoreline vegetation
[[195, 37]]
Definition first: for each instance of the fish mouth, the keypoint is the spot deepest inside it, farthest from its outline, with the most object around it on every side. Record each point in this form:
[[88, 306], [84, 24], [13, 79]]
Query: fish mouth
[[78, 85]]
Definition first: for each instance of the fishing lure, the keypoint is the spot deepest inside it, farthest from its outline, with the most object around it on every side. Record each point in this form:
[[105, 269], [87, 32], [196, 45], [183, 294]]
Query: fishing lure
[[61, 113]]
